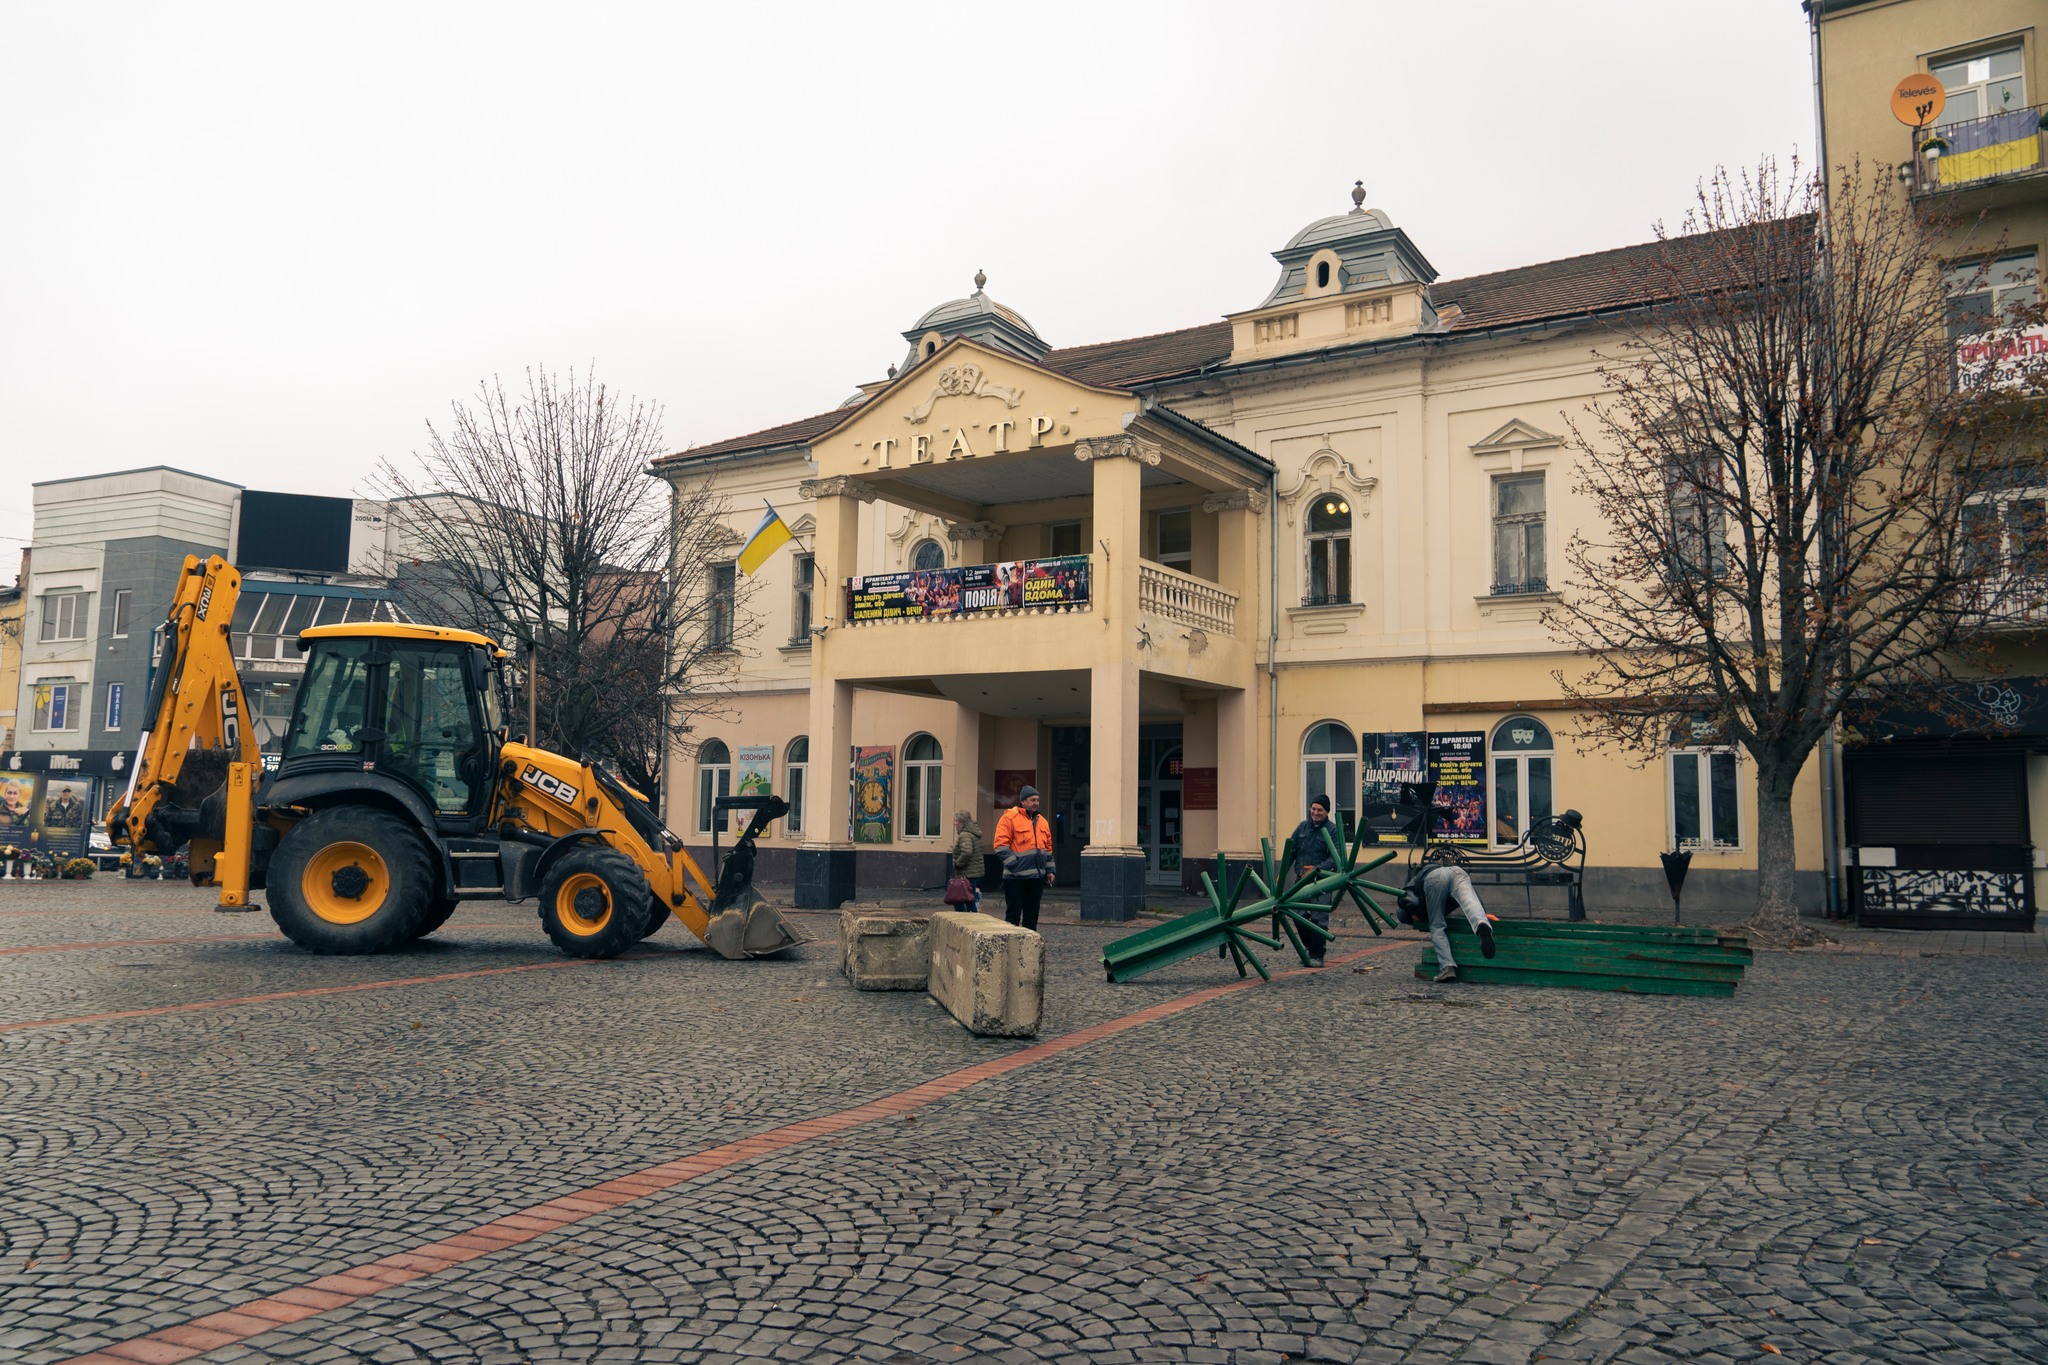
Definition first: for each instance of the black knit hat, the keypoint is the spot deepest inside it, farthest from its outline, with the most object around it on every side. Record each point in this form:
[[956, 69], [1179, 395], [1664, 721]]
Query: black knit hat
[[1324, 802]]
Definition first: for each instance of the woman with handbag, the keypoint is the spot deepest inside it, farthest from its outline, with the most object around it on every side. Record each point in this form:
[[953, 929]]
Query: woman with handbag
[[962, 892]]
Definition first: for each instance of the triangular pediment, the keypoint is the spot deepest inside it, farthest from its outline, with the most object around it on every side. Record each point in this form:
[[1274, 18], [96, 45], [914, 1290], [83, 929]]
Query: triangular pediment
[[1516, 434], [968, 400]]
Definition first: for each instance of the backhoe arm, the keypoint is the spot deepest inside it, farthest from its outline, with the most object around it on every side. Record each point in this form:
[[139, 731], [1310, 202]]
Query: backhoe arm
[[195, 704]]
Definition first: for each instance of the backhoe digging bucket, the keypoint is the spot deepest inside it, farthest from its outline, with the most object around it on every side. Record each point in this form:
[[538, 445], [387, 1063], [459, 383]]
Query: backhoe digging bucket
[[742, 923]]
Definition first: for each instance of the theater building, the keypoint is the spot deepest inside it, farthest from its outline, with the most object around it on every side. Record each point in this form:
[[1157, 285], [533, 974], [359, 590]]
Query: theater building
[[1180, 583]]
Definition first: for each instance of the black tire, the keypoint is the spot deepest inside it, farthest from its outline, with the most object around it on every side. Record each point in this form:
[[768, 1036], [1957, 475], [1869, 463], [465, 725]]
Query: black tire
[[657, 915], [352, 879], [437, 915], [595, 903]]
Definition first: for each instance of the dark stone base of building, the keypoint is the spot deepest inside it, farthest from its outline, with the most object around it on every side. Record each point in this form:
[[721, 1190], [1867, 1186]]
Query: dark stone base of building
[[824, 877], [1112, 886]]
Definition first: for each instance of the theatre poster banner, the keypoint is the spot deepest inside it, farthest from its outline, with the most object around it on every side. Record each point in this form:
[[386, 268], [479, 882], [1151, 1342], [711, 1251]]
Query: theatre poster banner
[[969, 590], [1457, 764], [874, 803], [1391, 759]]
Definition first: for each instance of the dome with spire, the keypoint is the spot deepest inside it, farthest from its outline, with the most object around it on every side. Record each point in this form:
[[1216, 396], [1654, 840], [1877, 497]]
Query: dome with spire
[[977, 316], [1365, 251]]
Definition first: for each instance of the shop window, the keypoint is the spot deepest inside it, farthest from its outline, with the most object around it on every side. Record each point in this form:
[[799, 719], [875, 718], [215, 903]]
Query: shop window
[[123, 600], [796, 775], [1977, 87], [1522, 794], [1705, 804], [923, 813], [64, 616], [1329, 767], [800, 604], [714, 779], [723, 586], [1518, 535], [56, 705], [1329, 551], [1063, 538], [1173, 534], [928, 555]]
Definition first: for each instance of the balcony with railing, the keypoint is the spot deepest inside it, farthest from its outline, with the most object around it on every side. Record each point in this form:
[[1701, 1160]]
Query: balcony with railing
[[1181, 597], [1997, 149]]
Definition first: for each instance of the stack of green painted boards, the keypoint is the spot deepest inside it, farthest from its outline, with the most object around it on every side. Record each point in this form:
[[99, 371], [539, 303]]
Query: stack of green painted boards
[[1645, 959]]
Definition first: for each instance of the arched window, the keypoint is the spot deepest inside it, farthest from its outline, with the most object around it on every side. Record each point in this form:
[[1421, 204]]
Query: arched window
[[1522, 755], [1322, 274], [714, 779], [1329, 550], [796, 771], [923, 817], [1329, 767], [928, 554]]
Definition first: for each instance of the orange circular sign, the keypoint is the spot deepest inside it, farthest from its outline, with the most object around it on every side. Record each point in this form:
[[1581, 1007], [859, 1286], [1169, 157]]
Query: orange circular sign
[[1917, 100]]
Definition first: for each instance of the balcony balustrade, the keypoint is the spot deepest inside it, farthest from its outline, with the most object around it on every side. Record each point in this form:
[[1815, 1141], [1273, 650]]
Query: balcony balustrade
[[1184, 598], [2003, 146]]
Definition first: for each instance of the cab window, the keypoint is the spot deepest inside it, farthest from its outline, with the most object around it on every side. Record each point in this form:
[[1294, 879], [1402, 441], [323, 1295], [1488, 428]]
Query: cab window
[[329, 715], [430, 732]]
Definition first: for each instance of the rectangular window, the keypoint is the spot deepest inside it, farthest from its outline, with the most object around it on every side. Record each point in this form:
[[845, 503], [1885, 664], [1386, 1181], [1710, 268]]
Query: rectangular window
[[714, 783], [114, 698], [1699, 533], [56, 706], [793, 823], [1174, 530], [800, 608], [64, 616], [723, 586], [1706, 810], [1063, 538], [1984, 295], [1518, 544], [122, 600], [1981, 86]]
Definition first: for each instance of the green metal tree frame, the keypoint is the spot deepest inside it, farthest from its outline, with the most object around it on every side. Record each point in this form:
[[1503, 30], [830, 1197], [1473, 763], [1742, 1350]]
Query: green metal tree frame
[[1225, 924]]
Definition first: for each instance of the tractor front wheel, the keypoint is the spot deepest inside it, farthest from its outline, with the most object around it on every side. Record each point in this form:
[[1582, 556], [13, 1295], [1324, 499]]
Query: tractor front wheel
[[351, 879], [595, 902]]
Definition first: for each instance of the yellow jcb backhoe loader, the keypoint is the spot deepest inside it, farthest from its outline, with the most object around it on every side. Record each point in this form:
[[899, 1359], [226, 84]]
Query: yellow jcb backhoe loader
[[400, 794]]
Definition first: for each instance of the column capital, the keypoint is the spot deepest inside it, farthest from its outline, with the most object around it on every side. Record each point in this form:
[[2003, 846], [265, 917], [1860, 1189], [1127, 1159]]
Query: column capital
[[1116, 448], [838, 486], [1236, 500], [974, 530]]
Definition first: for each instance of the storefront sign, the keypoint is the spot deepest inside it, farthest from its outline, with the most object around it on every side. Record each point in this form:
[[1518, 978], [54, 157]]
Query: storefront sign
[[969, 590], [1457, 764], [1198, 788], [874, 795]]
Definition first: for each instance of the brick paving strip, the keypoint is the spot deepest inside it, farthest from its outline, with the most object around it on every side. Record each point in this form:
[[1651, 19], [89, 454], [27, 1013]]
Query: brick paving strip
[[168, 1345]]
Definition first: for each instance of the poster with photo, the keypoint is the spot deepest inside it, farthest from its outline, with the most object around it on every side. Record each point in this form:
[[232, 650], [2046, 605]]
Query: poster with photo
[[874, 795], [1389, 760], [1457, 764], [64, 816], [1010, 783], [19, 793]]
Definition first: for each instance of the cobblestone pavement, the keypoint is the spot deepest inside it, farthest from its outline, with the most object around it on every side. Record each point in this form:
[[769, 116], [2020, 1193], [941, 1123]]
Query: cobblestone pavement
[[1841, 1163]]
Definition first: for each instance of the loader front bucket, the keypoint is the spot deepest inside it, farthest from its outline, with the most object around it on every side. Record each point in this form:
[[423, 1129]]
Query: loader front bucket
[[742, 923]]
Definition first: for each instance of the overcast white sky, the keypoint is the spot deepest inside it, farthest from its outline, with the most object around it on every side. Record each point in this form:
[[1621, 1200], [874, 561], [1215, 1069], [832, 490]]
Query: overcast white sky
[[268, 242]]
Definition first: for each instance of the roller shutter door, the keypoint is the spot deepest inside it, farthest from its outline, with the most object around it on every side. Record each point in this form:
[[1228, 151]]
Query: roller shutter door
[[1904, 797]]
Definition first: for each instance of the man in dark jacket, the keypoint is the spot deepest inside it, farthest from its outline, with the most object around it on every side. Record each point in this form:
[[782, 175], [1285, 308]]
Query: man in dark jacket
[[1312, 856]]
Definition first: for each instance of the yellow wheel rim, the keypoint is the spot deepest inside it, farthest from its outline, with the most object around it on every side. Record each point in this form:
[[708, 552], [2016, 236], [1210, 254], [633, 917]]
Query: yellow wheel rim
[[584, 904], [345, 883]]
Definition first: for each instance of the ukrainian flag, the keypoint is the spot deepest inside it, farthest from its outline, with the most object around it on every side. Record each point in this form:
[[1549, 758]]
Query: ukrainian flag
[[1998, 145], [771, 535]]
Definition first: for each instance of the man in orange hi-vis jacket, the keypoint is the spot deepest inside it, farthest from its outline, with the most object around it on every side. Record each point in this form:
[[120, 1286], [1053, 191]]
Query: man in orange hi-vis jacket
[[1024, 839]]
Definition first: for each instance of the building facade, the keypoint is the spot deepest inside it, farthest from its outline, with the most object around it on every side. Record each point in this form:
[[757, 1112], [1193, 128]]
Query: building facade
[[1184, 583], [1946, 808]]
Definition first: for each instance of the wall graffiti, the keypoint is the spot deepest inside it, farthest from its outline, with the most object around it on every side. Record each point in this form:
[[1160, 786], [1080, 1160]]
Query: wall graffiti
[[1920, 891]]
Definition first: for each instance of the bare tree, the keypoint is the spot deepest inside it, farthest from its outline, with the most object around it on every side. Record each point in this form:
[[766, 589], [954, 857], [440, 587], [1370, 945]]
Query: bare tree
[[534, 519], [1780, 467]]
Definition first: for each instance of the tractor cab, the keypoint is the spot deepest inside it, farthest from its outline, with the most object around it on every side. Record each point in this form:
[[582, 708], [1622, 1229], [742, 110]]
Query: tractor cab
[[416, 708]]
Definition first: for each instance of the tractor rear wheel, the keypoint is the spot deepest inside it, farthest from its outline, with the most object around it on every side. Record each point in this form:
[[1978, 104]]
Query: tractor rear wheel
[[352, 879], [595, 902], [436, 916]]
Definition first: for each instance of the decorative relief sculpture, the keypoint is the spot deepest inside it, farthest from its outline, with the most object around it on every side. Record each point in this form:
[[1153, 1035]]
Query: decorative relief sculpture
[[1323, 472], [1116, 448], [838, 486], [1236, 500], [963, 381], [974, 530]]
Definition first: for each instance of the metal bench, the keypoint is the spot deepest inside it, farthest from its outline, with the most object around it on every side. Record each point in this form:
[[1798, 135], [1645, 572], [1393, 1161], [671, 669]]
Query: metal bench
[[1552, 853]]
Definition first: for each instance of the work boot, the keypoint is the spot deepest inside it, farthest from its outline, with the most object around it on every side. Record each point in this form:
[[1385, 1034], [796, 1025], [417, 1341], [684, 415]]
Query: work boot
[[1485, 932], [1446, 974]]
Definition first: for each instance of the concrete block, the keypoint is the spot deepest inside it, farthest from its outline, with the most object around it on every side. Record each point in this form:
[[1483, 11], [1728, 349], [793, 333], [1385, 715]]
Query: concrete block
[[885, 948], [989, 975]]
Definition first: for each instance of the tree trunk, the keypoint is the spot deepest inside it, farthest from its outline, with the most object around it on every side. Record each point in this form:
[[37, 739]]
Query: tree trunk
[[1777, 905]]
